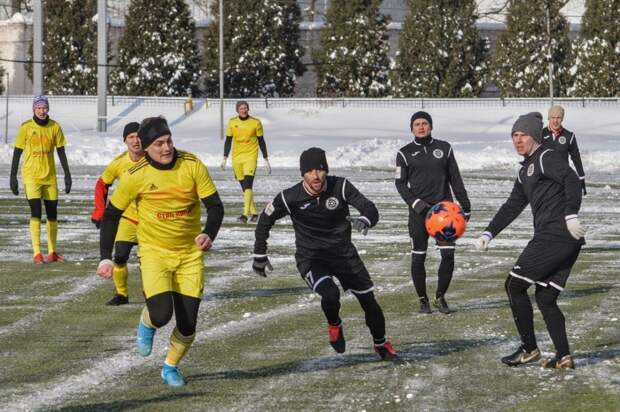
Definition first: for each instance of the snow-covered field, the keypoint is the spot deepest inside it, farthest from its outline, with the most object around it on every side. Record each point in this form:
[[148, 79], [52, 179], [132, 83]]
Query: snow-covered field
[[261, 343]]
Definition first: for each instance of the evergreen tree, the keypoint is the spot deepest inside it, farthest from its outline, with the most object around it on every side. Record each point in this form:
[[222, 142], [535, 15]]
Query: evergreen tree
[[262, 56], [158, 54], [520, 68], [598, 51], [441, 53], [353, 59], [69, 47]]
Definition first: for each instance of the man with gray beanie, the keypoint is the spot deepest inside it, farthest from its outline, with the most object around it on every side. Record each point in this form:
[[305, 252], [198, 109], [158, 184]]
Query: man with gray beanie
[[550, 186], [563, 141]]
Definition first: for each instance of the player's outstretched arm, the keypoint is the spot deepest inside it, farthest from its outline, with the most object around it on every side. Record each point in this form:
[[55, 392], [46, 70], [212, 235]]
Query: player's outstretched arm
[[369, 214], [17, 153], [274, 210]]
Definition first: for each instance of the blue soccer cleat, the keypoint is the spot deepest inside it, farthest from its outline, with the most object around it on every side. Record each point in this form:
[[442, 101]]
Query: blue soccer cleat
[[172, 376], [144, 340]]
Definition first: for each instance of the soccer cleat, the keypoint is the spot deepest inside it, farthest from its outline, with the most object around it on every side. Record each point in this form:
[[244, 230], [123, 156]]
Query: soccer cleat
[[441, 305], [144, 340], [521, 356], [55, 257], [38, 259], [242, 219], [336, 338], [386, 351], [566, 362], [118, 300], [172, 376], [425, 306], [253, 218]]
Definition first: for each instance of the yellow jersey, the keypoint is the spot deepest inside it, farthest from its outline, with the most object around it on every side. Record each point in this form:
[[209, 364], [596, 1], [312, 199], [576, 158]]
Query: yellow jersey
[[115, 169], [244, 135], [38, 143], [168, 201]]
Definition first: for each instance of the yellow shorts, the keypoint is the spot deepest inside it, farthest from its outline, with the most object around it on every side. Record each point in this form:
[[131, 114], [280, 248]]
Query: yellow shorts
[[244, 167], [167, 271], [39, 191], [127, 231]]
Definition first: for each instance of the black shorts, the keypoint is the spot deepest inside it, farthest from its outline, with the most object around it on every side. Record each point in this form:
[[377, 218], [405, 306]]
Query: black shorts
[[350, 272], [546, 263], [419, 236]]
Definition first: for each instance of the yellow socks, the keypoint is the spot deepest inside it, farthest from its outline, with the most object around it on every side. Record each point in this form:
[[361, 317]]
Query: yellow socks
[[119, 276], [249, 208], [52, 234], [35, 235], [146, 319], [178, 347]]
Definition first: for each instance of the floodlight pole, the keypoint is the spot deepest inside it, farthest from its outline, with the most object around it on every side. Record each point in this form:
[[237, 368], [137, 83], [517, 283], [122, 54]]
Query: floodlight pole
[[102, 68], [6, 118], [37, 48], [221, 54], [549, 53]]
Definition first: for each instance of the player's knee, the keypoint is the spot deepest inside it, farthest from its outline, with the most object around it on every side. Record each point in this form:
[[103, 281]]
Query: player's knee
[[51, 209], [121, 259], [160, 309], [447, 255], [186, 326], [328, 291], [122, 250], [35, 208], [515, 286], [546, 298], [368, 301]]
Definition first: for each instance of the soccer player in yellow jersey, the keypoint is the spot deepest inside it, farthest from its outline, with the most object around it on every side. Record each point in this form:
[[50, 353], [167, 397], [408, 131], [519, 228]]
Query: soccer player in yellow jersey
[[126, 237], [37, 138], [167, 187], [245, 134]]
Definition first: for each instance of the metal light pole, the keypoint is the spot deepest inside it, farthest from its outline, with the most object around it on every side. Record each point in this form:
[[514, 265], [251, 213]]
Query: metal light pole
[[549, 53], [6, 118], [102, 69], [221, 53], [37, 48]]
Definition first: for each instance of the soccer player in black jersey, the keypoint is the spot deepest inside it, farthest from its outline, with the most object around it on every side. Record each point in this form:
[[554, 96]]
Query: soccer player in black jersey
[[426, 174], [552, 189], [319, 209]]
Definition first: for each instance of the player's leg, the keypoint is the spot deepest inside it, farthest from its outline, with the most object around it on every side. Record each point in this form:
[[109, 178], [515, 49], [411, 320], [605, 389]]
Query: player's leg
[[249, 207], [419, 244], [237, 165], [446, 269], [126, 239], [33, 195]]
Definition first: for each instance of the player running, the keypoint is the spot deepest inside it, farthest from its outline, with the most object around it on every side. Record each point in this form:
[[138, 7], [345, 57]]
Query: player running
[[319, 209], [126, 237], [168, 186], [551, 187], [426, 174], [245, 134], [37, 139]]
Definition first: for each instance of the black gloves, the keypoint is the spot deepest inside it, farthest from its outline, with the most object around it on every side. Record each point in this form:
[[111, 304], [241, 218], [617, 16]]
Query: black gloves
[[97, 223], [67, 182], [14, 185], [583, 186], [260, 264], [359, 224]]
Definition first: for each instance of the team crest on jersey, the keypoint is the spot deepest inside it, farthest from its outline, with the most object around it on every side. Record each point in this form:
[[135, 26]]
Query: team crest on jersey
[[269, 209], [562, 140], [438, 153], [332, 203], [530, 170]]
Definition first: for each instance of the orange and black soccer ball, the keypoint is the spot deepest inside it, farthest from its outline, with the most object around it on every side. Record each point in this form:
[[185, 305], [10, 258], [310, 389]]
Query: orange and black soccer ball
[[445, 221]]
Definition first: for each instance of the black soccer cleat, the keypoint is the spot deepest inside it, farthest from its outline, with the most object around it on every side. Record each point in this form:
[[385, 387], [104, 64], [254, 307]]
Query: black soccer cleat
[[441, 305], [253, 218], [386, 351], [425, 306], [117, 300], [521, 357], [565, 362], [336, 338], [242, 219]]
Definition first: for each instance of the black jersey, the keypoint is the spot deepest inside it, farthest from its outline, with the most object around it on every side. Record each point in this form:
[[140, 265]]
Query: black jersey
[[320, 224], [565, 144], [426, 170], [552, 189]]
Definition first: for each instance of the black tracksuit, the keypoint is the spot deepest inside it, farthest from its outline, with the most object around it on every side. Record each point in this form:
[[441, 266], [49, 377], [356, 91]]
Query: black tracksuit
[[426, 174], [551, 187], [566, 144], [323, 245]]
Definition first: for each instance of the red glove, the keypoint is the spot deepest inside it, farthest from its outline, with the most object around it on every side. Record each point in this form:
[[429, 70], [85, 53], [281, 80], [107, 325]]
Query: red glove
[[101, 196]]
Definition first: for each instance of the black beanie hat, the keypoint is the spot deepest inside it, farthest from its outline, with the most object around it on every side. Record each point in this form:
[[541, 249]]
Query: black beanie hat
[[421, 115], [313, 159], [530, 124], [151, 129], [130, 128]]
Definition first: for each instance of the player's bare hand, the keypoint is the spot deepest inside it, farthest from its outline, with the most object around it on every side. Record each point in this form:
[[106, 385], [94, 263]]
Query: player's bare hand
[[223, 164], [203, 241], [105, 268]]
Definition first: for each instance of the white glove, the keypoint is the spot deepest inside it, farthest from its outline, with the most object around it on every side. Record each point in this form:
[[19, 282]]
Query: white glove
[[223, 165], [267, 166], [482, 243], [574, 227]]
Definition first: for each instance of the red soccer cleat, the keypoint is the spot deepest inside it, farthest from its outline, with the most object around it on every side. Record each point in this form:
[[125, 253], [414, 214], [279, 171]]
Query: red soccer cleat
[[386, 351], [38, 259], [336, 338], [55, 257]]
